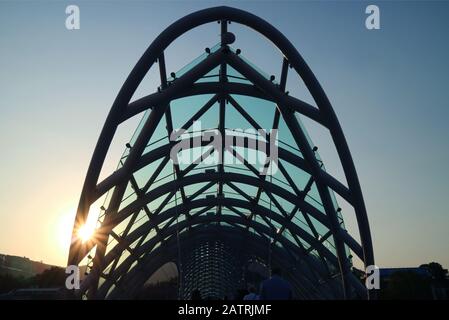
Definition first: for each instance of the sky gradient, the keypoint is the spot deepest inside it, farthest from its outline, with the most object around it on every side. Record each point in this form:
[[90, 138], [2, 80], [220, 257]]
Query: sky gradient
[[389, 88]]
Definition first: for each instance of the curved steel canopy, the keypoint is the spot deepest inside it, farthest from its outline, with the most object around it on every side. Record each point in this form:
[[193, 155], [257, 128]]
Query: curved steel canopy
[[149, 222]]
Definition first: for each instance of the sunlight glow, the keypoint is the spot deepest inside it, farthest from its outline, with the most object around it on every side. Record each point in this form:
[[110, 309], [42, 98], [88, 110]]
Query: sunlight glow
[[86, 232], [63, 228]]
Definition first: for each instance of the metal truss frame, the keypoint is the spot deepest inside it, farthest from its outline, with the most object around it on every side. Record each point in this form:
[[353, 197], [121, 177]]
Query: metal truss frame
[[313, 268]]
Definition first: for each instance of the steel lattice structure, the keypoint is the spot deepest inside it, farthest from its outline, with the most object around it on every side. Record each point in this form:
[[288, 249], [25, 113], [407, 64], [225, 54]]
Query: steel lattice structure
[[157, 211]]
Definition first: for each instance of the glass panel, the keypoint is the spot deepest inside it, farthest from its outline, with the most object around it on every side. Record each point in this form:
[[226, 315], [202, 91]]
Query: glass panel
[[193, 63], [183, 109], [262, 111]]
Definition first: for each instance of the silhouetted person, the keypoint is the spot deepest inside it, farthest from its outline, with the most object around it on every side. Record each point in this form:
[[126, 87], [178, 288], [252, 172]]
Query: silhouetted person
[[252, 295], [196, 295], [276, 288]]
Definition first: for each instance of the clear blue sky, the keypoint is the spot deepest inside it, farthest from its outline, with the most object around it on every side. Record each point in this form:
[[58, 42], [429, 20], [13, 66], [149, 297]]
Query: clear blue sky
[[389, 87]]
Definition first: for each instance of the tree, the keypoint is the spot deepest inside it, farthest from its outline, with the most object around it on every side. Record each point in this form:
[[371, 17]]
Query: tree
[[436, 269], [9, 283], [407, 285], [50, 278]]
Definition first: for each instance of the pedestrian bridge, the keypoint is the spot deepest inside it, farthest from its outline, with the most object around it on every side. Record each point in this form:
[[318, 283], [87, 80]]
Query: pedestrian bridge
[[222, 209]]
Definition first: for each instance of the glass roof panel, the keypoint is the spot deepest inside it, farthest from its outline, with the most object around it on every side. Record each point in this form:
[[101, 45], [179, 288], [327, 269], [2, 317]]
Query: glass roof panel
[[262, 111]]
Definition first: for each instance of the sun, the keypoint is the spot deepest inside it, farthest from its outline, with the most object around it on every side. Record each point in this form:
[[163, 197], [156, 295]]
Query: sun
[[63, 233], [86, 232], [63, 227]]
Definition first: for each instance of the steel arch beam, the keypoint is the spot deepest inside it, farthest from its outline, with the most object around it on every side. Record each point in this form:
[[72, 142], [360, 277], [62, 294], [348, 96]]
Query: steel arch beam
[[188, 238], [150, 263], [170, 213], [302, 143], [159, 98], [140, 231], [162, 151], [120, 108], [232, 177], [147, 247]]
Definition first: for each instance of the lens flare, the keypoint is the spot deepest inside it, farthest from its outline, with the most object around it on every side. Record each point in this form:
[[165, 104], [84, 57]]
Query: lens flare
[[86, 232]]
